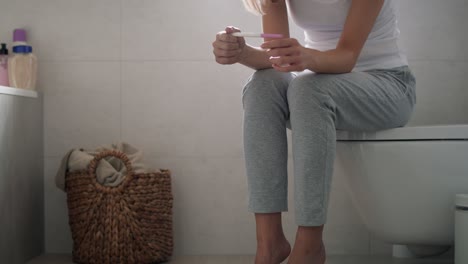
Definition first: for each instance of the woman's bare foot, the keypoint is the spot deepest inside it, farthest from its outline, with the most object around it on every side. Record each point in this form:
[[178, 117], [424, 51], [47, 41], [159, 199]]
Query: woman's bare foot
[[275, 253], [308, 256], [308, 247]]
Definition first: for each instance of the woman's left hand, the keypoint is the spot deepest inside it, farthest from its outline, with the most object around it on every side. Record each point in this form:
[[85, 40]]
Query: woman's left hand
[[287, 55]]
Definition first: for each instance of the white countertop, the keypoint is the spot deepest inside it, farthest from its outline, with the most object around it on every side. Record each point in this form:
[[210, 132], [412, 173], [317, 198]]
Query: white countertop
[[18, 92]]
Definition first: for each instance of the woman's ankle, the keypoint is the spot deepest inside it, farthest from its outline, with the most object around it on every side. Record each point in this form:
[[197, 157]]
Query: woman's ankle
[[269, 229], [272, 244], [310, 233]]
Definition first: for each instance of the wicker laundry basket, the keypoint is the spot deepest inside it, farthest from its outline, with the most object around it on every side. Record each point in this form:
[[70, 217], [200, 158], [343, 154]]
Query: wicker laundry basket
[[127, 224]]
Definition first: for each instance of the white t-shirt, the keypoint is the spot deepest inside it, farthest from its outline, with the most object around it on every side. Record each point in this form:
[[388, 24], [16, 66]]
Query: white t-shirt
[[323, 22]]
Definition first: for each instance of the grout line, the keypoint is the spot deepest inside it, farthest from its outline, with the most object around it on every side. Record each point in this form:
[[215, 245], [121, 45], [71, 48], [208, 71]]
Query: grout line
[[439, 60], [121, 68], [166, 157], [207, 60], [127, 60], [121, 105], [370, 243], [121, 30]]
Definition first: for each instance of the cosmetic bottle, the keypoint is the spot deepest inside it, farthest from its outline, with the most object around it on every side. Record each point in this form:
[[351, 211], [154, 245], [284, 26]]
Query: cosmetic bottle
[[4, 65], [22, 65]]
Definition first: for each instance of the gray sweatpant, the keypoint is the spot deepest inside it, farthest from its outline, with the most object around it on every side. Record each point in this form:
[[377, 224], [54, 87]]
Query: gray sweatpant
[[313, 106]]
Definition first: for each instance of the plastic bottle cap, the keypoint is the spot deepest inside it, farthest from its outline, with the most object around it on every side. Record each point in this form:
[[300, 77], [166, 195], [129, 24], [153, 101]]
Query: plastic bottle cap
[[22, 49], [461, 200], [3, 50], [19, 35]]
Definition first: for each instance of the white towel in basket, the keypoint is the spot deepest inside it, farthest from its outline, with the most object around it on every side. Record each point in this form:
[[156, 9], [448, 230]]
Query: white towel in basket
[[110, 171]]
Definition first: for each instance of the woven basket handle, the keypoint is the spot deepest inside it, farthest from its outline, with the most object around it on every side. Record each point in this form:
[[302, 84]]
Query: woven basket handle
[[107, 153]]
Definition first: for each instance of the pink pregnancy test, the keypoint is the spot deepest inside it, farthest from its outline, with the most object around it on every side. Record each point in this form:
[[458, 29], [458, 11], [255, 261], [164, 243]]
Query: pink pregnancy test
[[256, 35]]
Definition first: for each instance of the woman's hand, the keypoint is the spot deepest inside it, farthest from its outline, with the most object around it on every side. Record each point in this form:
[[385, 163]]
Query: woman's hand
[[287, 55], [227, 48]]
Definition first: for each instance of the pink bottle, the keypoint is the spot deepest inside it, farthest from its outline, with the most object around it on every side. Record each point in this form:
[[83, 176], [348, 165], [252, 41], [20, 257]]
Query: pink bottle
[[4, 66]]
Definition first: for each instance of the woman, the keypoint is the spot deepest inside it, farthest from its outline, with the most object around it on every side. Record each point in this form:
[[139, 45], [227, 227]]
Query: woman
[[352, 76]]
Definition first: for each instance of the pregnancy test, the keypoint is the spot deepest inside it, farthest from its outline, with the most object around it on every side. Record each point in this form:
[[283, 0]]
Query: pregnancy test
[[256, 35]]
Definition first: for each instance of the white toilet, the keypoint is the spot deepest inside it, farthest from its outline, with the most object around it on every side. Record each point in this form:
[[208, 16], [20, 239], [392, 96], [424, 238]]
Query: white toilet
[[403, 182]]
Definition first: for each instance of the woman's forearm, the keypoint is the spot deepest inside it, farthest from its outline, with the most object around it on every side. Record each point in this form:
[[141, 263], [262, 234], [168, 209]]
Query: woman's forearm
[[331, 61], [255, 58]]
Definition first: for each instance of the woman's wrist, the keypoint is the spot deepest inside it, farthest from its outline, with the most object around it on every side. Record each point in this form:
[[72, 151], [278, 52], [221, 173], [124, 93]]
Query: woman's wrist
[[312, 57], [254, 58], [243, 57]]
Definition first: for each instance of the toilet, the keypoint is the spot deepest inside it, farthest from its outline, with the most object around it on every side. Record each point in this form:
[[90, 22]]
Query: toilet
[[403, 182]]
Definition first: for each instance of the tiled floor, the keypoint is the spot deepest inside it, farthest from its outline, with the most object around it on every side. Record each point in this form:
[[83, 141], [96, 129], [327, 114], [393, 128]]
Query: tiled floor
[[66, 259]]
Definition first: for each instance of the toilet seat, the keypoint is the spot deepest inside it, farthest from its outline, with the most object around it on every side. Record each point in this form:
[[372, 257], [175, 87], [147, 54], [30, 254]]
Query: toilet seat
[[414, 133]]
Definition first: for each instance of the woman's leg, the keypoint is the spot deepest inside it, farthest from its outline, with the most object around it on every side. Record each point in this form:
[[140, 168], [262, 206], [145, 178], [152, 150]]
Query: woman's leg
[[266, 155], [321, 103]]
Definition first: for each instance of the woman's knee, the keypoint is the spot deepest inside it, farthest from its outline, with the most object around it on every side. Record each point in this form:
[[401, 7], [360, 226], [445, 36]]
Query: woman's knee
[[268, 79], [309, 88], [267, 83]]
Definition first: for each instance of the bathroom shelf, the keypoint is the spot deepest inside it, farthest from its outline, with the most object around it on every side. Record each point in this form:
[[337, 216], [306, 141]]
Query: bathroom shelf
[[18, 92]]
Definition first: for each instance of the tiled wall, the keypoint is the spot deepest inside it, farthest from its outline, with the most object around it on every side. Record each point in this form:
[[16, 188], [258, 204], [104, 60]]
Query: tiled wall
[[435, 35], [142, 71]]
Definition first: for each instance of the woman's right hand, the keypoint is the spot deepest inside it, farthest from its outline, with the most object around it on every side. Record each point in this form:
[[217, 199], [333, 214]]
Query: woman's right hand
[[227, 48]]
